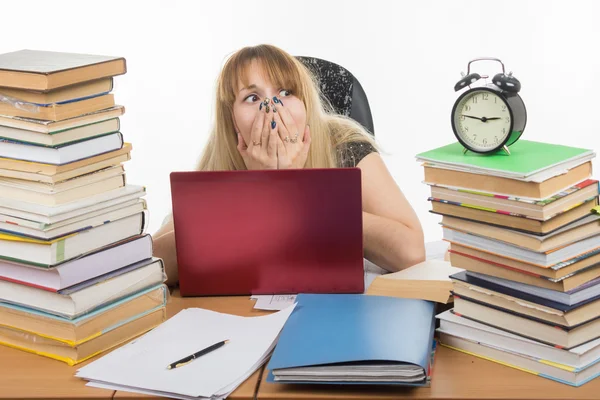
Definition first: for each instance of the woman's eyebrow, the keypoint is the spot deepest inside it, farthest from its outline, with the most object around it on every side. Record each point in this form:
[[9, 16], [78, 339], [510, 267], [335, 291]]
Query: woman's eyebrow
[[251, 87]]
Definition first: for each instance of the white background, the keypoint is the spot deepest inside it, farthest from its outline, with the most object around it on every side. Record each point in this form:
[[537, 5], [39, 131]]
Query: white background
[[407, 55]]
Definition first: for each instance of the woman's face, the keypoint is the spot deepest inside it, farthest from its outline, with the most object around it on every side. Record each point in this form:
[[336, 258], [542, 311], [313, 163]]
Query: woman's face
[[248, 99]]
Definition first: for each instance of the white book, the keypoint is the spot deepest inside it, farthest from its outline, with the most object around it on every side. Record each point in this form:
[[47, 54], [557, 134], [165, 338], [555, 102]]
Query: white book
[[61, 137], [547, 259], [91, 295], [578, 357], [59, 187], [62, 154], [63, 197], [92, 219], [80, 269], [52, 215], [522, 362], [49, 253]]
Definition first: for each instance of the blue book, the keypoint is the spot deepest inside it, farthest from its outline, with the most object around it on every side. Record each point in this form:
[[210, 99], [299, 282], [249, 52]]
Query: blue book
[[354, 338]]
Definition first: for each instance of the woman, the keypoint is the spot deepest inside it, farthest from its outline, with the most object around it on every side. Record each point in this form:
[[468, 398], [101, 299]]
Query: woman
[[269, 114]]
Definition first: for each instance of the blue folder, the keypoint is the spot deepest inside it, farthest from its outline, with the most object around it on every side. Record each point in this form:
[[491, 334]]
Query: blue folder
[[330, 329]]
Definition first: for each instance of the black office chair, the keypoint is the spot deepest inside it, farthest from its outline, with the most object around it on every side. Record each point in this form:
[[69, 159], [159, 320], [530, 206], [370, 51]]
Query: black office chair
[[342, 89]]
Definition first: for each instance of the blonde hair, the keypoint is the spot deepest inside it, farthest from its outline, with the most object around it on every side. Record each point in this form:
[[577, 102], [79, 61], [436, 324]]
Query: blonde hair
[[328, 129]]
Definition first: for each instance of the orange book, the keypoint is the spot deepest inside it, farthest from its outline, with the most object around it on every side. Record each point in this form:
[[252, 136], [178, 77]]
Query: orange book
[[43, 71], [506, 186], [79, 91]]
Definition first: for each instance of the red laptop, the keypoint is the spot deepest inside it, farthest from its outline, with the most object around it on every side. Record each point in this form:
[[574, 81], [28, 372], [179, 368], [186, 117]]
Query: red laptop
[[268, 232]]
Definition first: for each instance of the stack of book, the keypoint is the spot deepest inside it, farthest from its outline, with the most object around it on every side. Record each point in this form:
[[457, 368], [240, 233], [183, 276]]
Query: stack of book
[[525, 229], [77, 276]]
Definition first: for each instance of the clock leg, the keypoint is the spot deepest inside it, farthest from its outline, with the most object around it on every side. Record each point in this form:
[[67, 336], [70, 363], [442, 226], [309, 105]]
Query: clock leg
[[506, 149], [465, 150]]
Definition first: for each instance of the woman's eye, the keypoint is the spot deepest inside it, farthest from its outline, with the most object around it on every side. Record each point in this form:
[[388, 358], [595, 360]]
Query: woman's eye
[[284, 93], [251, 99]]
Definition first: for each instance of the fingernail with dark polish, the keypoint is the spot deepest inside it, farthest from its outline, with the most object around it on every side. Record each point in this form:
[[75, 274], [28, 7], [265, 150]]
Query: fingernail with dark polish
[[274, 110], [273, 124], [280, 102], [260, 107], [275, 99]]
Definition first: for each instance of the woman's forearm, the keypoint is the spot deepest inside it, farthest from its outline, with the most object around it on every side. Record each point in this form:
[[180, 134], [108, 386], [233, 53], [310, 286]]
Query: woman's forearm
[[164, 247], [390, 244]]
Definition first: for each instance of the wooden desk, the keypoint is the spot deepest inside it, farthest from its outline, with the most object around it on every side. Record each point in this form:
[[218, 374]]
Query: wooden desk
[[28, 376], [231, 305], [455, 376]]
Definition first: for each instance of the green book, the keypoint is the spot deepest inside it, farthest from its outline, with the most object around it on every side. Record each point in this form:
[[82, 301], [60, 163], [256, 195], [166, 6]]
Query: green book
[[526, 159]]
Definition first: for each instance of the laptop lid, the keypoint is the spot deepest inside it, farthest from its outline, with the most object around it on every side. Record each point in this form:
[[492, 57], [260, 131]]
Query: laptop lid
[[268, 231]]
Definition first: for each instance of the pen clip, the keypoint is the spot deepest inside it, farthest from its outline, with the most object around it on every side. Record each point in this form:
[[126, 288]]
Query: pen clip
[[179, 364], [183, 363]]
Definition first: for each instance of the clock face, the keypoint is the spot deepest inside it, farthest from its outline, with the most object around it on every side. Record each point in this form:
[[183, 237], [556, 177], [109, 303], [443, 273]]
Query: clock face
[[482, 120]]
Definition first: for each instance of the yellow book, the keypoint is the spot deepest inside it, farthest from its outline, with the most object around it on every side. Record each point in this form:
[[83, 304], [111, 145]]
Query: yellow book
[[74, 332], [75, 353], [78, 91], [23, 239]]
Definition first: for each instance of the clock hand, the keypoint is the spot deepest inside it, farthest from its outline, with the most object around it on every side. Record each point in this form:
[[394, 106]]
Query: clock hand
[[482, 119], [470, 116]]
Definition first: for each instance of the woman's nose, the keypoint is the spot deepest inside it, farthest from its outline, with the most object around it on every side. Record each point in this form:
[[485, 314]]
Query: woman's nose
[[267, 103]]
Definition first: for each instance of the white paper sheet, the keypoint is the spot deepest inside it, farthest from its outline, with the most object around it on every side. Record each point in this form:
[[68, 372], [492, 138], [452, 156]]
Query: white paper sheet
[[142, 364], [436, 250], [372, 271], [273, 302]]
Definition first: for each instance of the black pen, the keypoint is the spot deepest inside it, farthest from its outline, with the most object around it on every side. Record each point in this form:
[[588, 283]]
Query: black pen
[[189, 359]]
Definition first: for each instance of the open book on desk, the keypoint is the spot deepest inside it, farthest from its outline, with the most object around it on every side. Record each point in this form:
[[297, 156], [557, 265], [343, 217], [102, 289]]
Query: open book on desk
[[349, 338], [435, 250], [428, 280], [141, 366]]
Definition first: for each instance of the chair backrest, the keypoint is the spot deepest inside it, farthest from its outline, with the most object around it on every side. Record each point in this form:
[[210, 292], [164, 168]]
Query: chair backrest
[[342, 89]]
